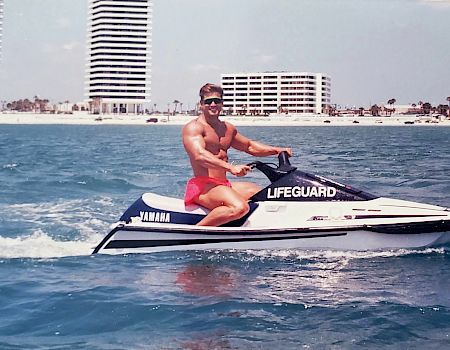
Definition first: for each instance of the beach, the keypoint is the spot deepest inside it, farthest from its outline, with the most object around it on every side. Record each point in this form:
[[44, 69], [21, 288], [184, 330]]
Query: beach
[[83, 118]]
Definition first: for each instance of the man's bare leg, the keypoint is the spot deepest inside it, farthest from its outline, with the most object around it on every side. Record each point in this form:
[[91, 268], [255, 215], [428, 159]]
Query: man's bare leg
[[246, 189], [225, 204]]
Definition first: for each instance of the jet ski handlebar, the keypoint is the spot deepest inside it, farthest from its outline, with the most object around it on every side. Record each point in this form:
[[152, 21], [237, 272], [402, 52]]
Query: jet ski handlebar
[[271, 170]]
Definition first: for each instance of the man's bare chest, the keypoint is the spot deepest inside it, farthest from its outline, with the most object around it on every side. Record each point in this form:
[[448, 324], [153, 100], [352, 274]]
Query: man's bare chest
[[216, 141]]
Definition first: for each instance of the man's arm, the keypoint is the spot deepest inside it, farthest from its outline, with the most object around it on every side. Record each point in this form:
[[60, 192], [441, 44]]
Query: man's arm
[[195, 146], [257, 149]]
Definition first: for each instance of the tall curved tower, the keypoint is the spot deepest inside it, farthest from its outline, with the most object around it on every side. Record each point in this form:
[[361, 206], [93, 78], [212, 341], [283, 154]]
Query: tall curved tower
[[118, 68]]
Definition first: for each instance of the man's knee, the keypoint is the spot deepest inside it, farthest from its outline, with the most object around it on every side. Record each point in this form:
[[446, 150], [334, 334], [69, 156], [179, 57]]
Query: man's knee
[[239, 209]]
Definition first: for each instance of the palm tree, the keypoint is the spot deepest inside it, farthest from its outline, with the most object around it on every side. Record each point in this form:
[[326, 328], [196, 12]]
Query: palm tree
[[175, 102], [361, 111], [36, 104], [391, 103], [375, 110], [331, 110], [426, 108]]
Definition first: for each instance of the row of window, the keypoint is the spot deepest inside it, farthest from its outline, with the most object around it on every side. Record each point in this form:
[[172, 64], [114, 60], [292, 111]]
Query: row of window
[[130, 1], [294, 102], [264, 98], [298, 77], [118, 48], [246, 83], [241, 99], [118, 78], [119, 30], [106, 6], [118, 97], [118, 91], [272, 77], [119, 43], [114, 12], [298, 88], [298, 83], [251, 94], [120, 54], [123, 19], [129, 60], [116, 66], [287, 106], [118, 85], [226, 88], [118, 24], [119, 72], [120, 36], [272, 110]]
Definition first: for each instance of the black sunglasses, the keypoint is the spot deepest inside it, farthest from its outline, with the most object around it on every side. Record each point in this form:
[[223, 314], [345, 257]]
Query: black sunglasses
[[216, 100]]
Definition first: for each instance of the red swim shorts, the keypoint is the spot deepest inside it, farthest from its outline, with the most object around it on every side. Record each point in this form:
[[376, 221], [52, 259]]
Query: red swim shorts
[[196, 185]]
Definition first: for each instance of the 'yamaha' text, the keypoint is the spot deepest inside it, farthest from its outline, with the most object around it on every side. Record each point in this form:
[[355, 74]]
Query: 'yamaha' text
[[151, 216], [300, 192]]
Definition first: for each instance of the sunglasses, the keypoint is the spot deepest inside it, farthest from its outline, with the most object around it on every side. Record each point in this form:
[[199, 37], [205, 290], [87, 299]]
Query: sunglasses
[[208, 101]]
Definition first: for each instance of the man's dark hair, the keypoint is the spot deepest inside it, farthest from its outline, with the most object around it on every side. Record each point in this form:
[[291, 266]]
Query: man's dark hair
[[210, 88]]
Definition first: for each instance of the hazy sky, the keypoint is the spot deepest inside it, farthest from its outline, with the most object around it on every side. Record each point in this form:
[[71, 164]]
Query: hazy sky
[[373, 50]]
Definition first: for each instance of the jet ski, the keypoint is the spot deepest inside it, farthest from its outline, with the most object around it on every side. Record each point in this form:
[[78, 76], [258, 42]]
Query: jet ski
[[297, 210]]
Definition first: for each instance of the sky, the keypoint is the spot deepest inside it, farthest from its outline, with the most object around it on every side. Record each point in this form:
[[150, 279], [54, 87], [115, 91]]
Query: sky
[[374, 50]]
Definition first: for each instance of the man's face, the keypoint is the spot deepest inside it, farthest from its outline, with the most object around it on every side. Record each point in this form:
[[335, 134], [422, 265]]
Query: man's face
[[211, 105]]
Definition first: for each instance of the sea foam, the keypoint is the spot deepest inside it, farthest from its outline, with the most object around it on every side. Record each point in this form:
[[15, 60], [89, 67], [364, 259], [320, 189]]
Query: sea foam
[[41, 245]]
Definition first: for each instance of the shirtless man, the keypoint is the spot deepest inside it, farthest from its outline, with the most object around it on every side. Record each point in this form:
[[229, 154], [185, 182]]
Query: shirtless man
[[207, 140]]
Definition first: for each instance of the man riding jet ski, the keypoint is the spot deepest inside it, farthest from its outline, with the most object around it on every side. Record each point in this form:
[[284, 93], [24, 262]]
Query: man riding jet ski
[[297, 210], [207, 140]]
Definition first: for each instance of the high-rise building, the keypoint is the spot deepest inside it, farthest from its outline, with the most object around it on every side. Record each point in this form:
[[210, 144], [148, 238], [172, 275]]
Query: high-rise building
[[276, 92], [118, 69]]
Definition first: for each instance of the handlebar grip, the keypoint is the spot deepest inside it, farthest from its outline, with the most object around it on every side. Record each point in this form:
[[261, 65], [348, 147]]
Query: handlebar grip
[[283, 158], [253, 165]]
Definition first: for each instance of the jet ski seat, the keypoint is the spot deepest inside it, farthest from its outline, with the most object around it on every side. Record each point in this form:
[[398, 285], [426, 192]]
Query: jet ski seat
[[180, 214], [171, 204]]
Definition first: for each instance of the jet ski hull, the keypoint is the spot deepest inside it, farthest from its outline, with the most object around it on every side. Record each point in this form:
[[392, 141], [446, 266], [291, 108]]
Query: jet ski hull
[[124, 239]]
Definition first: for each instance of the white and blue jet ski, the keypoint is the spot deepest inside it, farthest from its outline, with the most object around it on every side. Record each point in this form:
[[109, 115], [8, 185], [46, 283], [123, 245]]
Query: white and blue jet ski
[[296, 210]]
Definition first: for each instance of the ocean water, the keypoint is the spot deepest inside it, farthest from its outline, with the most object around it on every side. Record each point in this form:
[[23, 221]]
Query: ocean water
[[62, 186]]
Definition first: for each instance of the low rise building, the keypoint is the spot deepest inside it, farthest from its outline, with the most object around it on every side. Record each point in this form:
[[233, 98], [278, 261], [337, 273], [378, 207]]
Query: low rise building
[[276, 93]]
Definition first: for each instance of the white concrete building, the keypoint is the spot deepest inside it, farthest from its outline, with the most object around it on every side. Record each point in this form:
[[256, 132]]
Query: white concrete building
[[118, 68], [276, 93]]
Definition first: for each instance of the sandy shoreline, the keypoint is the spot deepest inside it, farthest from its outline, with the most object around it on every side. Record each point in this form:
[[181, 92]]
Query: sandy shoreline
[[292, 120]]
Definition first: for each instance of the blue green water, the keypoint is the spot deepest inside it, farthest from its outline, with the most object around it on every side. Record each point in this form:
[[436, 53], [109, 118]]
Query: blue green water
[[62, 186]]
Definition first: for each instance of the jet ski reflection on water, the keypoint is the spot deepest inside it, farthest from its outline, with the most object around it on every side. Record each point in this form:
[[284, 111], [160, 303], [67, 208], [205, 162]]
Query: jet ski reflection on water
[[296, 210]]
